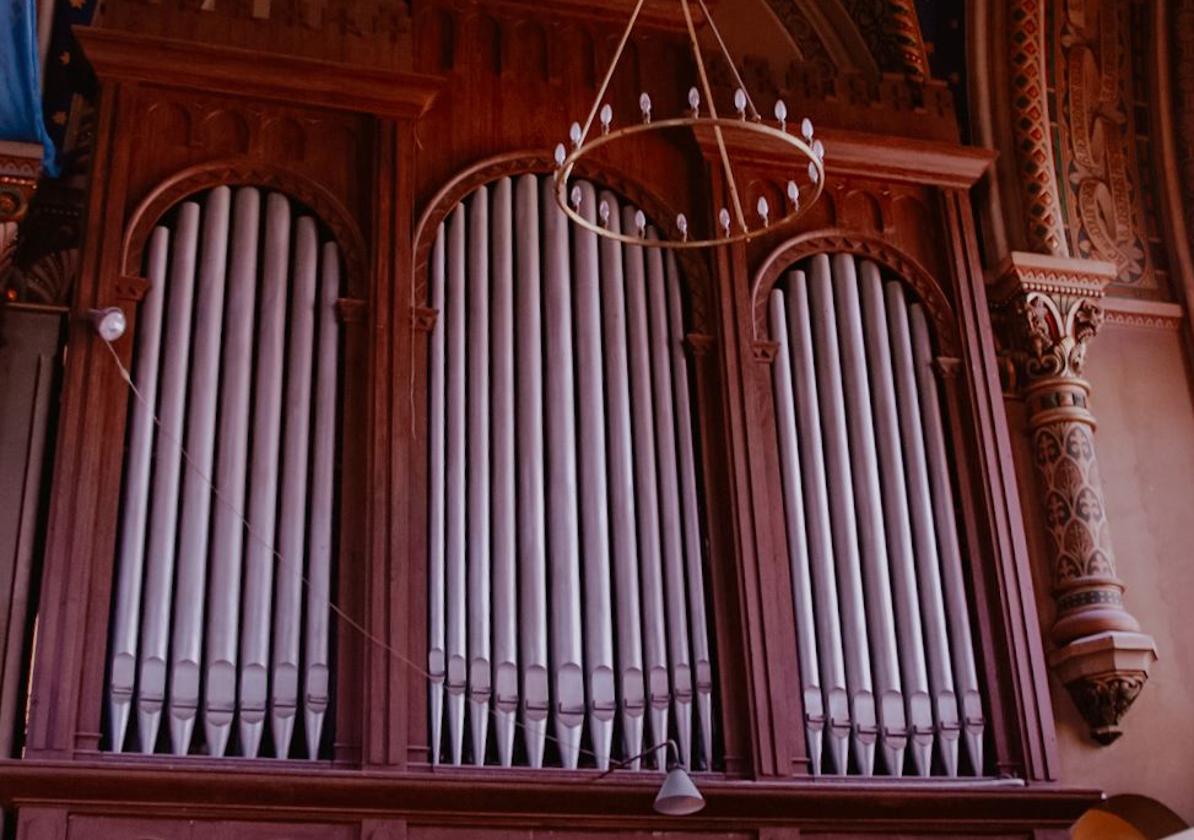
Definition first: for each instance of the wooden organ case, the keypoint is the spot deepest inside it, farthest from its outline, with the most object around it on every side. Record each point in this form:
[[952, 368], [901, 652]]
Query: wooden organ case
[[377, 118]]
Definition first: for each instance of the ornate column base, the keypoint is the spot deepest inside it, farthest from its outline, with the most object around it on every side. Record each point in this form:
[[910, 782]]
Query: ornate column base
[[1103, 674]]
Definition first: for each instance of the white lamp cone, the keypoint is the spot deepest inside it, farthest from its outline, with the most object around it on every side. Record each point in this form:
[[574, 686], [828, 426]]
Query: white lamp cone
[[678, 796]]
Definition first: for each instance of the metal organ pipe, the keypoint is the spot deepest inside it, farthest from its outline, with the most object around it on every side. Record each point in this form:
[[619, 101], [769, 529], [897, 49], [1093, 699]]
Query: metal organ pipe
[[227, 535], [454, 541], [655, 651], [263, 475], [598, 609], [842, 516], [563, 524], [882, 527], [436, 629], [669, 505], [957, 612], [702, 658], [937, 655], [222, 331], [505, 586], [798, 555], [899, 533], [588, 580], [820, 536], [620, 461], [131, 559], [191, 576], [532, 528], [893, 733], [323, 493], [477, 481], [163, 519], [292, 530]]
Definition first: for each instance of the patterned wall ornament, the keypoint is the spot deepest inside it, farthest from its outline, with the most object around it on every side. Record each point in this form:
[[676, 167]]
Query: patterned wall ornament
[[1048, 310], [1030, 128], [892, 30], [1098, 155], [1182, 22]]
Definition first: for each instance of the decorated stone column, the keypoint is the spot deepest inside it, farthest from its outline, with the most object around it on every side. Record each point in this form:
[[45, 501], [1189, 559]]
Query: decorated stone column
[[1048, 308]]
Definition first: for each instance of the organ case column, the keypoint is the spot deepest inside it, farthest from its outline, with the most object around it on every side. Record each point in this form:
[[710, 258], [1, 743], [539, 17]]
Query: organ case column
[[1048, 309]]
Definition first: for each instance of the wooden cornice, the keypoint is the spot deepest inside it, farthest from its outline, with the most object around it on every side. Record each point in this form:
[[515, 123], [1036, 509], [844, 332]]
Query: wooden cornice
[[281, 78], [320, 792], [856, 153], [656, 15]]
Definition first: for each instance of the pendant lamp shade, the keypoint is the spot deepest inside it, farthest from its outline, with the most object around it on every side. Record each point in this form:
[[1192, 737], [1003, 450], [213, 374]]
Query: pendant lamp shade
[[678, 797]]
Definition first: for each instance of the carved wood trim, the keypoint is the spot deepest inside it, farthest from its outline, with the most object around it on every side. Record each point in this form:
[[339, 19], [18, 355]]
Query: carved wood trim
[[246, 172], [869, 247], [283, 78]]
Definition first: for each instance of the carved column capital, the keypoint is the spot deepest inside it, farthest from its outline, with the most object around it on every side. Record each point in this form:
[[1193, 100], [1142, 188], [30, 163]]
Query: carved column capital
[[20, 166], [1048, 310]]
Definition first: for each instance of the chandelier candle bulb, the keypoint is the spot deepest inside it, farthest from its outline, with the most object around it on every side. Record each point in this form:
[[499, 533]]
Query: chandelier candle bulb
[[560, 154], [574, 134], [607, 117], [640, 222], [644, 104], [806, 129], [814, 174], [740, 102], [781, 114], [724, 218], [819, 150], [764, 210], [603, 211], [576, 198], [793, 193], [682, 226], [694, 102]]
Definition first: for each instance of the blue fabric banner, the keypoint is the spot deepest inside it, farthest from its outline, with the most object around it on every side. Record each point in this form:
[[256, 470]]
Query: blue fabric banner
[[20, 87]]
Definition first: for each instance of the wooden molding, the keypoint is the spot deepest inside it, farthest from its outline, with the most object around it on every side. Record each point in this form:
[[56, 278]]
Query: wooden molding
[[624, 801], [857, 153], [281, 78], [1153, 314]]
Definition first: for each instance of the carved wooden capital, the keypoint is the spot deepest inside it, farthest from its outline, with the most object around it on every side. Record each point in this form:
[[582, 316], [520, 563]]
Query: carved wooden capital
[[20, 167], [765, 350], [699, 343], [423, 319], [351, 310], [1047, 309]]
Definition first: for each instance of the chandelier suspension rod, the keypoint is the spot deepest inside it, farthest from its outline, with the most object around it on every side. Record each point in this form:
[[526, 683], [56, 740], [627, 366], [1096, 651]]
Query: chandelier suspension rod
[[609, 74], [754, 112], [721, 143]]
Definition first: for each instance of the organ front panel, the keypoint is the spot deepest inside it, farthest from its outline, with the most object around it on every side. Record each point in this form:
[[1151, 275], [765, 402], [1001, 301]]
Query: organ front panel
[[431, 506]]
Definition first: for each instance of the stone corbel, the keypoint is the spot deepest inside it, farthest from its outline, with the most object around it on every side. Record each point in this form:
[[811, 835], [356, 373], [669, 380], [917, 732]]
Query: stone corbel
[[20, 166], [1048, 309]]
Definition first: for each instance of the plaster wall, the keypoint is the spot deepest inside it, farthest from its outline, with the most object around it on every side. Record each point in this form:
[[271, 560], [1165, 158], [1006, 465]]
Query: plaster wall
[[1145, 438]]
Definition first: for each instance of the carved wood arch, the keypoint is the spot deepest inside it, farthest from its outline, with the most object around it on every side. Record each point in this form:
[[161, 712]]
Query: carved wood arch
[[246, 172], [835, 241], [694, 271]]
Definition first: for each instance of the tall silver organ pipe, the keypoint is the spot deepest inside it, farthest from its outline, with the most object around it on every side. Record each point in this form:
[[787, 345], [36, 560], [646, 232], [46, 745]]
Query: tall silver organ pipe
[[223, 359], [587, 383], [863, 395]]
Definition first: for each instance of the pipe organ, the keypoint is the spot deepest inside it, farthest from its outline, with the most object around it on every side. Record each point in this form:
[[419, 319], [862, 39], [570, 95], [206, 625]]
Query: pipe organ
[[566, 577], [220, 623], [887, 662]]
